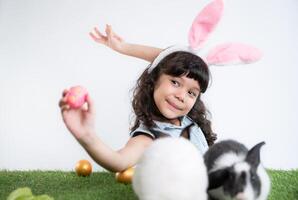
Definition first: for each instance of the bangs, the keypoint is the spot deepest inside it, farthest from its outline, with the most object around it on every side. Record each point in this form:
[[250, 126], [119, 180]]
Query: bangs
[[190, 65]]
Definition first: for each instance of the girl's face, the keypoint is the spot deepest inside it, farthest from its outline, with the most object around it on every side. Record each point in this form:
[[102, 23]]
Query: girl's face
[[175, 96]]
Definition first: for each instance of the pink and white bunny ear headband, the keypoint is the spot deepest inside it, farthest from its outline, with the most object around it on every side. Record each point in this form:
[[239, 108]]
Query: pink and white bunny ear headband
[[223, 54]]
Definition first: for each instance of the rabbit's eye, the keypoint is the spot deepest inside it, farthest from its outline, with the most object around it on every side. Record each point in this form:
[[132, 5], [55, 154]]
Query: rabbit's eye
[[243, 175]]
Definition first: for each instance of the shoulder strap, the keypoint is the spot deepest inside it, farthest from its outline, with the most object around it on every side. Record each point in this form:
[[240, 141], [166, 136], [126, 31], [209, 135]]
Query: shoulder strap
[[185, 132], [158, 134]]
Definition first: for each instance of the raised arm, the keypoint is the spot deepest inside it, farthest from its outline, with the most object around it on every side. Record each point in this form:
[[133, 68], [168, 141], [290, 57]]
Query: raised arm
[[115, 42], [116, 161], [80, 122]]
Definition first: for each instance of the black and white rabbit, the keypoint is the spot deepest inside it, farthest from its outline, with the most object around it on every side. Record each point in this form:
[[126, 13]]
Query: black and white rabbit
[[234, 172]]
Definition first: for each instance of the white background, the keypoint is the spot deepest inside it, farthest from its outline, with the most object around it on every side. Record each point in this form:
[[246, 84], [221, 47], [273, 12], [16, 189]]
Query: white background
[[45, 47]]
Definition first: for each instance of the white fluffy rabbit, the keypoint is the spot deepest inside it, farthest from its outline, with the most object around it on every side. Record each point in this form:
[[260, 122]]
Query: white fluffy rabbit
[[235, 173], [171, 169]]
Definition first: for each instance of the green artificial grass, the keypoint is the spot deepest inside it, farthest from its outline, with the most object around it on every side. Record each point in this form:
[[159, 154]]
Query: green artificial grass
[[65, 185], [284, 184], [102, 185]]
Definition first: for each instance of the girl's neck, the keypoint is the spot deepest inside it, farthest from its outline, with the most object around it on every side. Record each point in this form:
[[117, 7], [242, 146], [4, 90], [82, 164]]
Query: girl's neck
[[176, 121]]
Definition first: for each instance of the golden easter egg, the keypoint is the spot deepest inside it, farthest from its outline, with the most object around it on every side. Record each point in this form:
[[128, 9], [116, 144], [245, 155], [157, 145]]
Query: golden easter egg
[[83, 168], [125, 176]]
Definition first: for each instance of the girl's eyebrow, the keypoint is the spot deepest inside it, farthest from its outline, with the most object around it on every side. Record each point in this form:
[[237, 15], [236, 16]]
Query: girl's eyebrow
[[195, 88]]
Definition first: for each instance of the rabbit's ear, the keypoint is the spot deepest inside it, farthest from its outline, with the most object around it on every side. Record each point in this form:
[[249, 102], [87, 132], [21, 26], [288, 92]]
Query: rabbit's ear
[[218, 177], [204, 23], [253, 155], [233, 53]]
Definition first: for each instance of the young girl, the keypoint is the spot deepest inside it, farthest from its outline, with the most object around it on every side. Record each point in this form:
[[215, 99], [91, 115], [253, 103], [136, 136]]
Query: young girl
[[166, 102]]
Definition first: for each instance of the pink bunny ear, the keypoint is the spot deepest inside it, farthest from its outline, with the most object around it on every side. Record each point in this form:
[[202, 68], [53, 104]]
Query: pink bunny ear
[[233, 53], [204, 23]]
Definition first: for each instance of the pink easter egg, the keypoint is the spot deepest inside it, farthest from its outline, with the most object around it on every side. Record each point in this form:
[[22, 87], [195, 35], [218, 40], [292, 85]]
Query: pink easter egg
[[76, 96]]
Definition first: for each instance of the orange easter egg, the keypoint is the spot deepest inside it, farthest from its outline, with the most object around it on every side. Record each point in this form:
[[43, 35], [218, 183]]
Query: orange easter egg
[[83, 168], [125, 176]]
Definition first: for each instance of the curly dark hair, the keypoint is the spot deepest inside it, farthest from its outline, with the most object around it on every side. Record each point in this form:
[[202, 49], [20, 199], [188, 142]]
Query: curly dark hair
[[176, 64]]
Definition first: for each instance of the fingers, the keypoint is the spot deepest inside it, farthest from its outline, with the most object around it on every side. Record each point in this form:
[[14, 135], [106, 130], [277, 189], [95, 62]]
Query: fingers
[[93, 36], [112, 35], [97, 36], [65, 91], [63, 105], [64, 108], [91, 107], [62, 102], [109, 31]]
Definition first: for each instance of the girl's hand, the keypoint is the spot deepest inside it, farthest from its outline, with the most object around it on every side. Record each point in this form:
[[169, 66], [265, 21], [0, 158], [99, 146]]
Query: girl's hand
[[80, 122], [111, 39]]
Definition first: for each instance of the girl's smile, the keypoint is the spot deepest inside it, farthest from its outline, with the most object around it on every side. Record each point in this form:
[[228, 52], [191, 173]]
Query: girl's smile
[[173, 105]]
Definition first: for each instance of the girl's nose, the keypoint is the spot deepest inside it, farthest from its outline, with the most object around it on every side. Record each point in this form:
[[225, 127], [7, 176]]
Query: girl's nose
[[180, 96]]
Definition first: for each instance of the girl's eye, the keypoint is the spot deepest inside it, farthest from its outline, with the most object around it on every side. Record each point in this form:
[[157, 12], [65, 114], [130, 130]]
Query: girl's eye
[[192, 94], [175, 83]]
